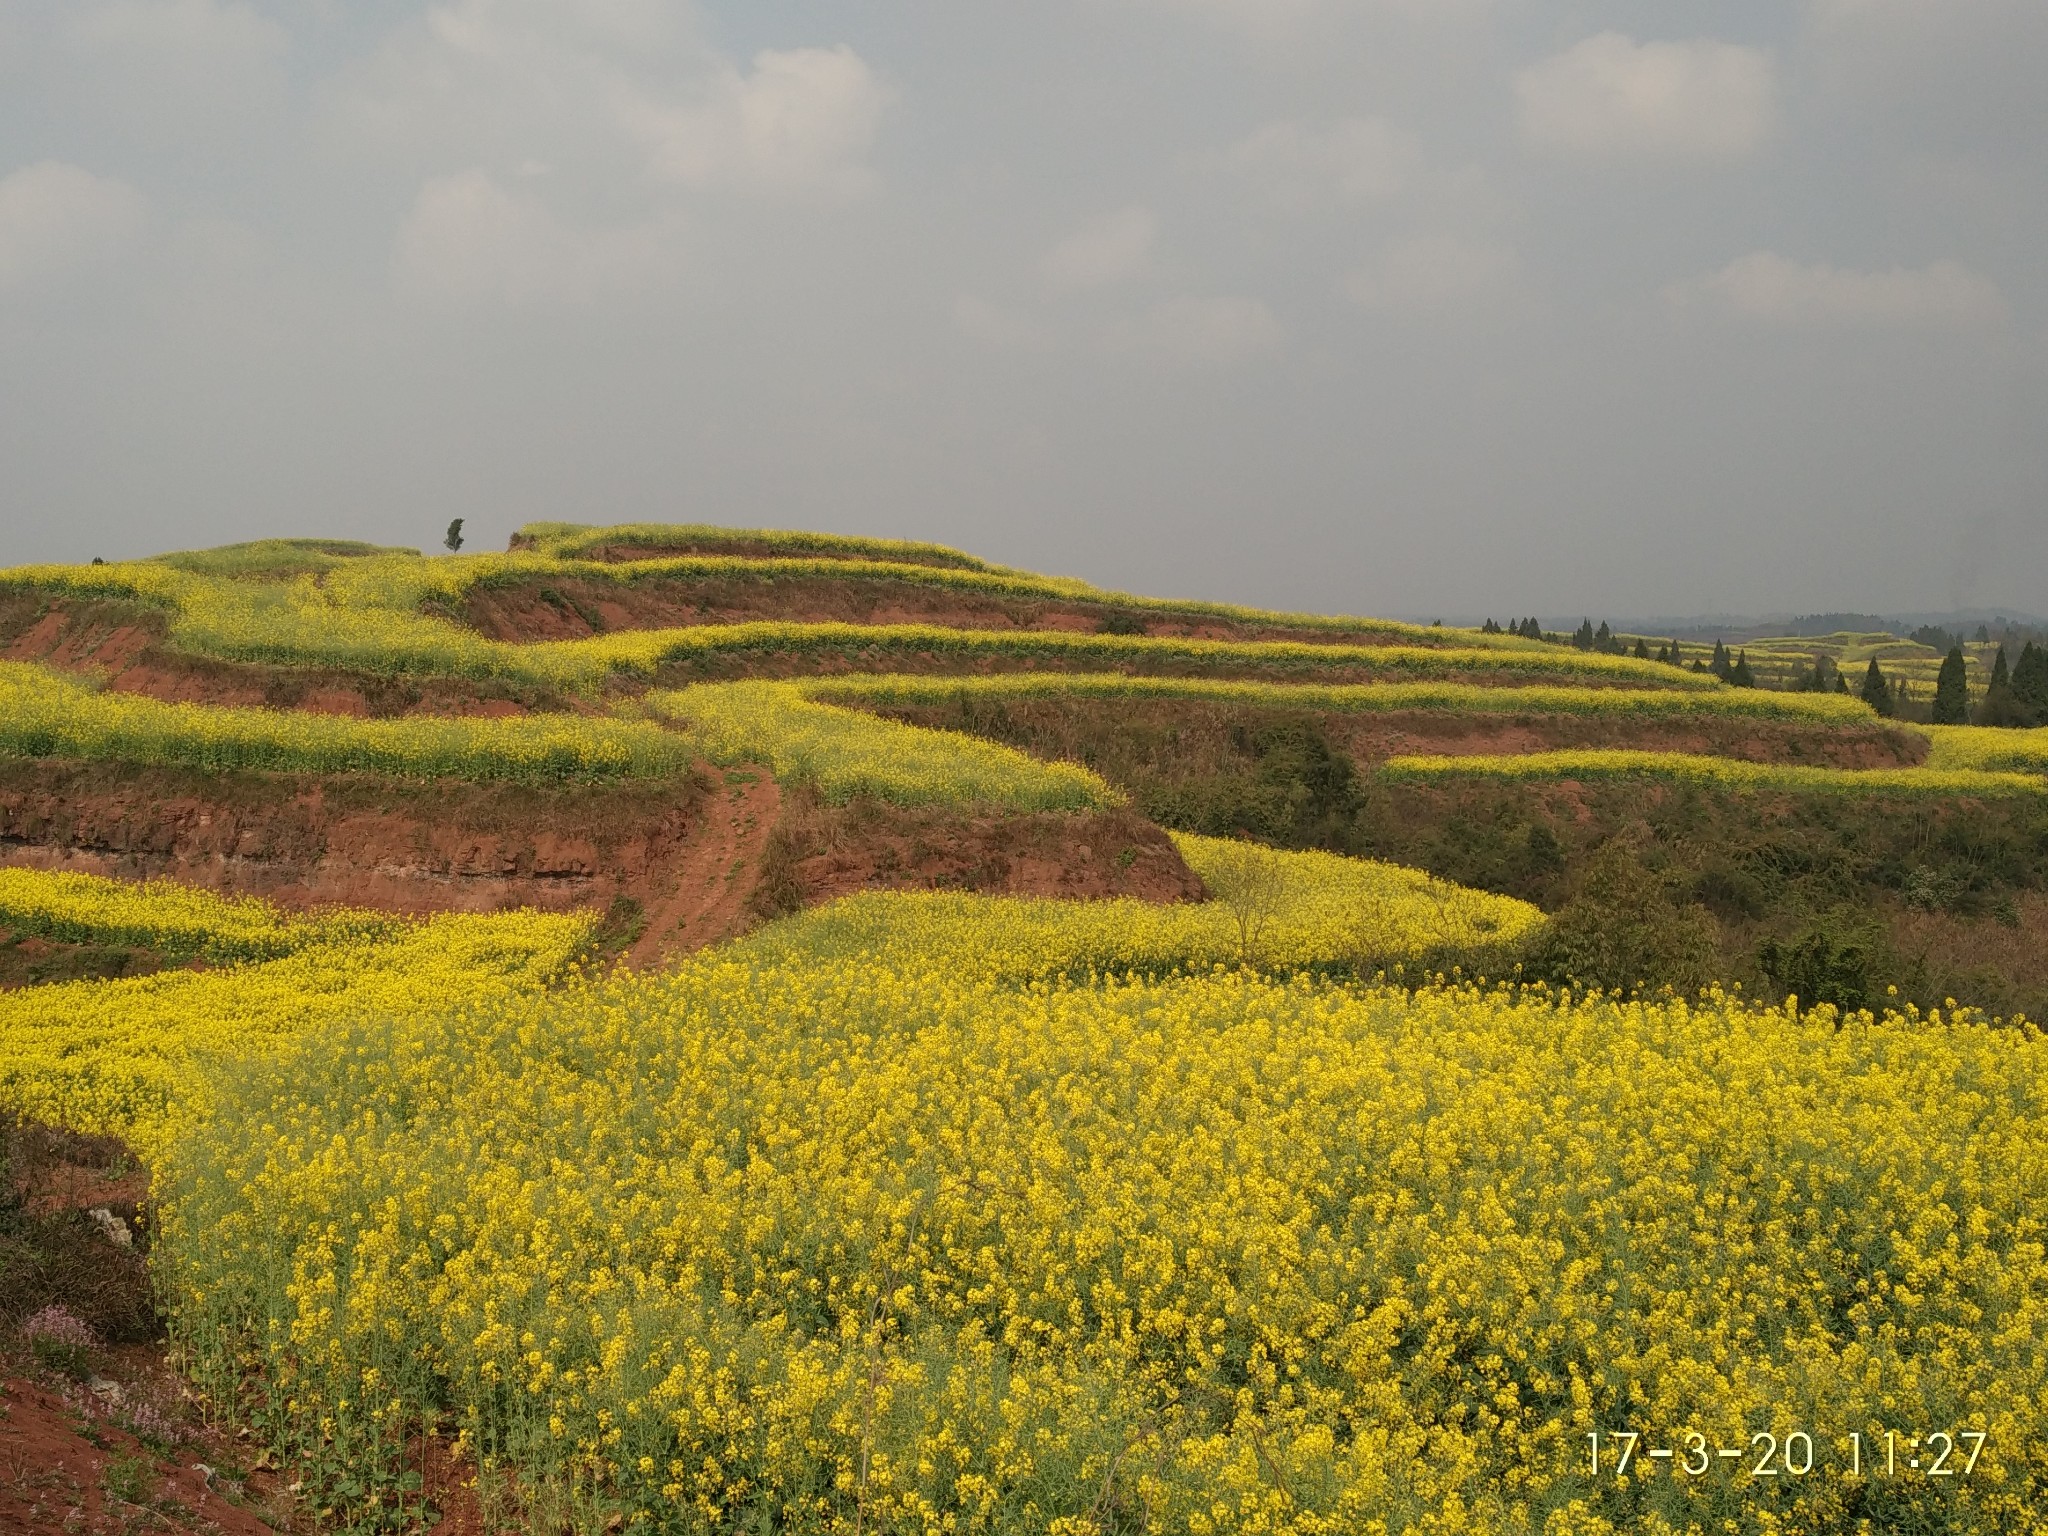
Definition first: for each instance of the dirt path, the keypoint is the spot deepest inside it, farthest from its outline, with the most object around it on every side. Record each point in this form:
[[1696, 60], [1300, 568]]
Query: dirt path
[[715, 872]]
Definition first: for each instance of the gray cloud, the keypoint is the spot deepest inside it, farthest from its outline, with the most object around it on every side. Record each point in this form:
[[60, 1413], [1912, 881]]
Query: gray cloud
[[1394, 305]]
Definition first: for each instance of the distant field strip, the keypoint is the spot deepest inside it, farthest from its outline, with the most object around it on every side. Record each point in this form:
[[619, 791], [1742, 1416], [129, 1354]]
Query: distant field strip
[[846, 752], [570, 541], [1448, 698], [1326, 914], [1988, 748], [44, 714], [1684, 767], [173, 919]]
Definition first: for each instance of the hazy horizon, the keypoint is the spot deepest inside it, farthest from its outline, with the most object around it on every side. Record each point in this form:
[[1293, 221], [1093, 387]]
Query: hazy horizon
[[1377, 306]]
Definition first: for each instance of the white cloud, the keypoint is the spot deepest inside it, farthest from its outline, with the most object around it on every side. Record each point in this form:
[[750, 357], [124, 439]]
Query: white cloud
[[1355, 159], [802, 121], [1435, 276], [616, 94], [1107, 250], [56, 218], [1764, 286], [1610, 98], [470, 241], [1211, 331]]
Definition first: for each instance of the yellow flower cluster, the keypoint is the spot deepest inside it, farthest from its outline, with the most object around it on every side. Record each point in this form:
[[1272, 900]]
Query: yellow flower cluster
[[1443, 698], [141, 1057], [1988, 748], [48, 714], [1285, 912], [171, 918], [845, 752], [1688, 767], [850, 1247]]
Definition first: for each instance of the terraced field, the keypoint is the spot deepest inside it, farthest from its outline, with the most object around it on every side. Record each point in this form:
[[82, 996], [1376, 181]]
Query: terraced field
[[713, 1030]]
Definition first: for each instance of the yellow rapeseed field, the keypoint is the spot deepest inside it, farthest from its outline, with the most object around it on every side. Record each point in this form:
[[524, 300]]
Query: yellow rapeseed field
[[1284, 912], [846, 752], [1988, 748], [858, 1248], [50, 714], [171, 918], [138, 1057]]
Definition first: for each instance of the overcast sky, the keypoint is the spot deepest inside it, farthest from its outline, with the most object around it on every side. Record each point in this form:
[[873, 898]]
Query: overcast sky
[[1395, 306]]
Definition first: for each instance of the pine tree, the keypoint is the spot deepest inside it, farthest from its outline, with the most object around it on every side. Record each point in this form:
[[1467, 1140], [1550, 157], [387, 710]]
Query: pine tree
[[1489, 628], [1876, 692], [1720, 666], [1582, 637], [2001, 705], [1603, 638], [1841, 682], [2030, 682], [1952, 689], [1739, 675], [1642, 649]]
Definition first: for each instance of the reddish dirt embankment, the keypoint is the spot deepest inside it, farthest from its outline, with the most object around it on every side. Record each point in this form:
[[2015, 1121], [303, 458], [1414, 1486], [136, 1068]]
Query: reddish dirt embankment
[[819, 852], [702, 858], [563, 608], [399, 845]]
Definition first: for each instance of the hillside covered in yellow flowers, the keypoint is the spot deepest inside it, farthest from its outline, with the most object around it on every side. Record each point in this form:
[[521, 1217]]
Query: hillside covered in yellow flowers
[[670, 1028]]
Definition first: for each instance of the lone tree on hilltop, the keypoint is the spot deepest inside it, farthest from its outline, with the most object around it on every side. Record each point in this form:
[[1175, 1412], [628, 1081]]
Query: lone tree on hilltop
[[1876, 692], [1952, 689], [454, 536]]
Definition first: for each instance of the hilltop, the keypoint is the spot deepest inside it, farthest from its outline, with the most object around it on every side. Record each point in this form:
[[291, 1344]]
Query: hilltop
[[608, 715]]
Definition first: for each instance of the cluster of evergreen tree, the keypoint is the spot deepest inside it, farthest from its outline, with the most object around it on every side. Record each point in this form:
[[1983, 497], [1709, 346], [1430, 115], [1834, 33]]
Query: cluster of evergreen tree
[[1734, 671], [1824, 677], [2017, 697], [1526, 629], [1603, 639]]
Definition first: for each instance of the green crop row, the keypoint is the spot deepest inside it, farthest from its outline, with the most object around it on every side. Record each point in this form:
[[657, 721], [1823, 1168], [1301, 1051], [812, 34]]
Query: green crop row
[[845, 752], [1447, 698], [1687, 767], [44, 714]]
